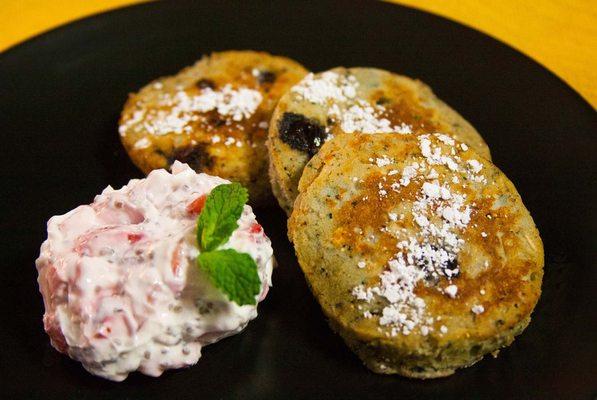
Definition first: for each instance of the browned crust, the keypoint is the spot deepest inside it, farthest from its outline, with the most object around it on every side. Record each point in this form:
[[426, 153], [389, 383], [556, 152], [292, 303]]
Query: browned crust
[[327, 251], [246, 161], [410, 101]]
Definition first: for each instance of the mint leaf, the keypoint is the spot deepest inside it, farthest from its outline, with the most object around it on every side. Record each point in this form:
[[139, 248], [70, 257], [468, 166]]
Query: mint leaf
[[233, 273], [219, 216]]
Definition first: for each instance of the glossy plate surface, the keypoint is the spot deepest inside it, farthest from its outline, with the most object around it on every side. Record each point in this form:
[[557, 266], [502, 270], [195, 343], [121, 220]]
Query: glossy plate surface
[[60, 97]]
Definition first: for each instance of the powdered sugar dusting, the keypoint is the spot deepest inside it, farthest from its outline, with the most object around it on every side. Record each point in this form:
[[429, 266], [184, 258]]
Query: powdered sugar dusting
[[327, 86], [142, 143], [478, 309], [451, 290], [338, 92], [175, 112], [383, 161], [440, 215]]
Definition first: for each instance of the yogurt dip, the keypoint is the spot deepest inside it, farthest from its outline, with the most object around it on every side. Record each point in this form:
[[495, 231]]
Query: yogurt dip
[[121, 287]]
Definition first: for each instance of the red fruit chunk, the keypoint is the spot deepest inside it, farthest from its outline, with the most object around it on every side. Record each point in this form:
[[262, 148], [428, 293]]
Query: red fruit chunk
[[176, 258], [196, 206], [134, 237], [255, 228]]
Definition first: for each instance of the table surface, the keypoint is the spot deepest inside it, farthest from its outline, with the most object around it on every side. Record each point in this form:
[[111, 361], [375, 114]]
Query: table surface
[[559, 34]]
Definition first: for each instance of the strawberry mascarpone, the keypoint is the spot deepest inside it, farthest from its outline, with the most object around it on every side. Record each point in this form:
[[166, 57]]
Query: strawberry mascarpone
[[121, 287]]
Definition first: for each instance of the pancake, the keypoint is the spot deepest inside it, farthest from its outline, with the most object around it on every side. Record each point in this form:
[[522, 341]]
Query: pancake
[[419, 251], [341, 100], [213, 116]]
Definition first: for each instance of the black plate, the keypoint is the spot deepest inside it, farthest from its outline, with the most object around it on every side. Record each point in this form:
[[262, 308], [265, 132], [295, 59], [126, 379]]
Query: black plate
[[60, 97]]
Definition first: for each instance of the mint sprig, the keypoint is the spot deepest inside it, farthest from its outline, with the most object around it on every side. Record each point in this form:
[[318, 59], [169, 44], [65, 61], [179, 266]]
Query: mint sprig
[[232, 272], [219, 216]]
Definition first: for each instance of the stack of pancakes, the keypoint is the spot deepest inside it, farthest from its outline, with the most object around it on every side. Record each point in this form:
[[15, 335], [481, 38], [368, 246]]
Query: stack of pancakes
[[419, 249]]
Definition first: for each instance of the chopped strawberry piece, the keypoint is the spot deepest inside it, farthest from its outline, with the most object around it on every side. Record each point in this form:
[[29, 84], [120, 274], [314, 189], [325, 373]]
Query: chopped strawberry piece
[[55, 332], [255, 228], [196, 206], [134, 237], [176, 258]]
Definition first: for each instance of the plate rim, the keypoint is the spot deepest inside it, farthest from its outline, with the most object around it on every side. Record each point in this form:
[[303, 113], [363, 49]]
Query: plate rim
[[148, 4]]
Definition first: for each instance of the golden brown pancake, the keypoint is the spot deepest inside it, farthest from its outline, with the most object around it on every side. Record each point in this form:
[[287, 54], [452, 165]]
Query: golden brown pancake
[[419, 251], [365, 100], [213, 116]]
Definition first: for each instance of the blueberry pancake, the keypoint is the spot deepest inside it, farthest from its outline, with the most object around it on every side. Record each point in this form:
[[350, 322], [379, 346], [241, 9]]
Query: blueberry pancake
[[213, 116], [419, 251], [341, 100]]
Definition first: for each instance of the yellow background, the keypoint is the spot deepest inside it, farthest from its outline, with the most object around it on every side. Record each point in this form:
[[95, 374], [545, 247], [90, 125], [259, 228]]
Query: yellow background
[[560, 34]]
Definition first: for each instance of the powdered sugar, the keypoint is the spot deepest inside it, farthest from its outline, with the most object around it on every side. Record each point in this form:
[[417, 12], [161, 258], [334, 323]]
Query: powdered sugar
[[238, 103], [338, 92], [451, 290], [174, 112], [475, 165], [327, 86], [142, 143], [440, 214], [478, 309], [383, 161]]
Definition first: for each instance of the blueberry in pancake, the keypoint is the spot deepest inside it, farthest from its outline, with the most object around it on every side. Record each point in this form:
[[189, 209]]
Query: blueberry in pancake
[[212, 116], [341, 100]]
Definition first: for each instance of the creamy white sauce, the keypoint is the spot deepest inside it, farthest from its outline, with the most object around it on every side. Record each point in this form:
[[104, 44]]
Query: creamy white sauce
[[121, 287]]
